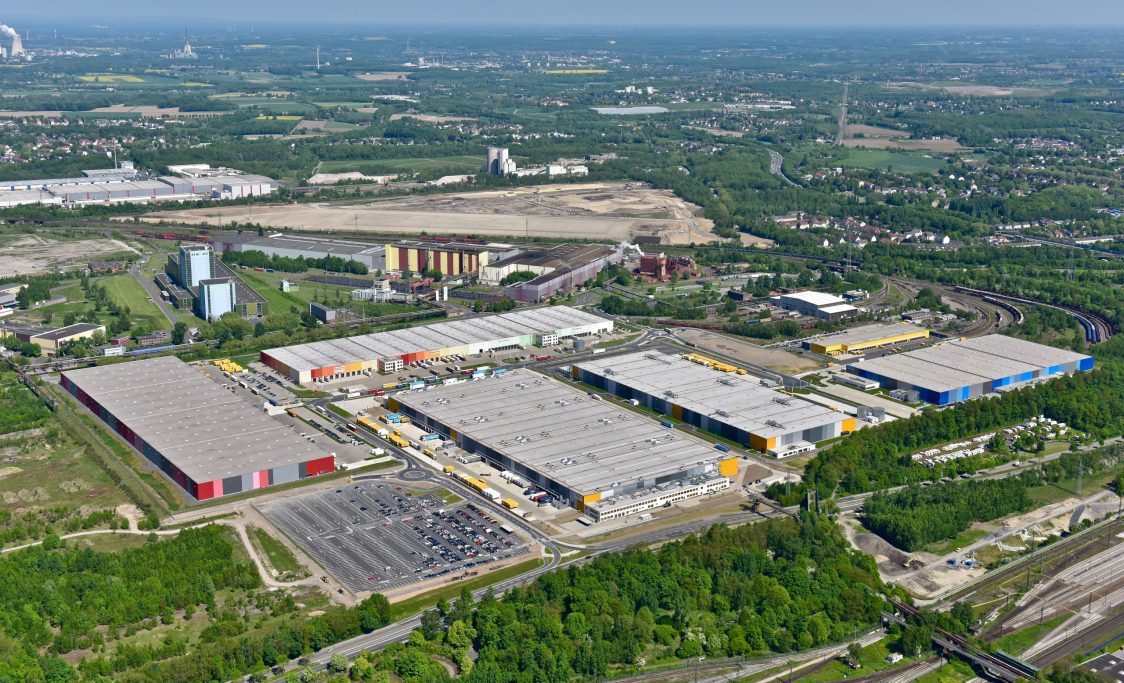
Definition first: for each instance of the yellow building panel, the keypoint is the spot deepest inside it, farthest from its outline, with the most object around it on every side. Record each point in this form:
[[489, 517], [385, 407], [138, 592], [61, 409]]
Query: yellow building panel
[[677, 411], [848, 425], [392, 404], [728, 467], [573, 372], [588, 500]]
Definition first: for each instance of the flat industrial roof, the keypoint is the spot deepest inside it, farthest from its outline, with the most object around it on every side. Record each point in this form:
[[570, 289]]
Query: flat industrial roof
[[442, 335], [737, 400], [868, 333], [328, 247], [69, 331], [583, 444], [450, 246], [965, 362], [207, 432], [558, 256], [815, 298]]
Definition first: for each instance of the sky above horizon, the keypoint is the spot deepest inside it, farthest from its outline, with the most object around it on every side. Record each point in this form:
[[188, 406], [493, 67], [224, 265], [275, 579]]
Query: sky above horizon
[[717, 13]]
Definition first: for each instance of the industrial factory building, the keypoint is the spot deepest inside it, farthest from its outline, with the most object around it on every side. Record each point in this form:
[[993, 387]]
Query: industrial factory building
[[51, 339], [338, 358], [207, 440], [448, 257], [559, 269], [816, 305], [126, 184], [734, 407], [194, 278], [294, 246], [967, 368], [584, 451], [866, 337]]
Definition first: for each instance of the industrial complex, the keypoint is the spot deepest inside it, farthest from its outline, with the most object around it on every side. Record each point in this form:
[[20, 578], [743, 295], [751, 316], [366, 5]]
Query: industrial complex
[[389, 351], [967, 368], [126, 184], [194, 278], [558, 269], [732, 406], [863, 338], [207, 440], [585, 451]]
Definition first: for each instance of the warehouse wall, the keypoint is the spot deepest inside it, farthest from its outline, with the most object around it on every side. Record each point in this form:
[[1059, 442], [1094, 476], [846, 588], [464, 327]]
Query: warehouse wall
[[199, 490]]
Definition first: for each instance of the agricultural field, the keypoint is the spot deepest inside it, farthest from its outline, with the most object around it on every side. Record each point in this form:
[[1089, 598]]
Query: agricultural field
[[111, 78]]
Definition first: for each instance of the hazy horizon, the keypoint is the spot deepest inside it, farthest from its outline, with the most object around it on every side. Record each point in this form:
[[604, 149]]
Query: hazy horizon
[[588, 13]]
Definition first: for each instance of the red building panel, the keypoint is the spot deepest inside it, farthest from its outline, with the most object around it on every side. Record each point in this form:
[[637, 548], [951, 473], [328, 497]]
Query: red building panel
[[320, 466]]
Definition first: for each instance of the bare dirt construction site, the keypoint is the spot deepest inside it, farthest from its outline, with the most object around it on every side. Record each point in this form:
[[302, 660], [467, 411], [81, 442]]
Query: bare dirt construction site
[[746, 352], [875, 137], [26, 254], [594, 211]]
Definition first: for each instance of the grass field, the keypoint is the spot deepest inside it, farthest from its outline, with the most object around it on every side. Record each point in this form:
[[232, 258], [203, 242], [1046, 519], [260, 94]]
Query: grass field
[[872, 658], [1015, 643], [126, 291], [375, 166], [890, 160], [278, 555]]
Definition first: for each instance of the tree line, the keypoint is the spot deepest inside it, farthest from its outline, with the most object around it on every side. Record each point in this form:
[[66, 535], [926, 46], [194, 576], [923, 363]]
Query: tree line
[[778, 586]]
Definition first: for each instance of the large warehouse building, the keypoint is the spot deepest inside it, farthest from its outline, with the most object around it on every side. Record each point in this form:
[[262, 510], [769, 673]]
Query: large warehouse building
[[388, 351], [297, 246], [735, 407], [207, 440], [582, 450], [968, 368], [866, 337]]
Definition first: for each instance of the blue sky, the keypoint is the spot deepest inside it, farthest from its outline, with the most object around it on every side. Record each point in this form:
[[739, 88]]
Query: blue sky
[[858, 13]]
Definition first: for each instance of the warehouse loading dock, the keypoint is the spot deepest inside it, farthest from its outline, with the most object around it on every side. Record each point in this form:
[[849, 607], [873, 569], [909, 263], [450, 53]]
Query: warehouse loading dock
[[205, 439], [734, 407], [859, 339], [353, 356], [969, 368], [578, 449]]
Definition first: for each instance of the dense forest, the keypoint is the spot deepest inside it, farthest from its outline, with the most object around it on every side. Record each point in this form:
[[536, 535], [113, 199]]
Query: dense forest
[[915, 516], [777, 586]]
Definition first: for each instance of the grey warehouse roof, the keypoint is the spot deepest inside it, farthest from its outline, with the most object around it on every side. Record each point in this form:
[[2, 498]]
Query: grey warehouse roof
[[869, 333], [430, 337], [583, 444], [314, 245], [207, 432], [966, 362], [736, 400]]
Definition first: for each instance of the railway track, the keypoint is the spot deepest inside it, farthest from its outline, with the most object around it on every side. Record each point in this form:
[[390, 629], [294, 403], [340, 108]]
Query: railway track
[[1097, 327]]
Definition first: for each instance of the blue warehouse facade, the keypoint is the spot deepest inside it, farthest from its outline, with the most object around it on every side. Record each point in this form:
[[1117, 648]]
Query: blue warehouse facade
[[969, 368]]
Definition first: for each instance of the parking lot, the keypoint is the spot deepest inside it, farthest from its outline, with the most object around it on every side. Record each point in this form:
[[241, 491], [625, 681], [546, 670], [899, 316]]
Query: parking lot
[[378, 536]]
